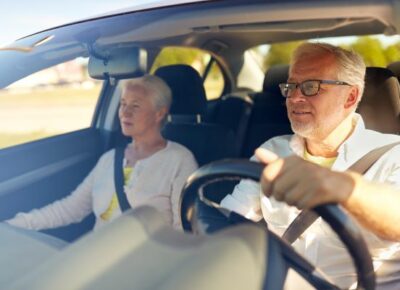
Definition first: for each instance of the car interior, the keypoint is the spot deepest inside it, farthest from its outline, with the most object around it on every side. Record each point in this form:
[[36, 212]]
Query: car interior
[[126, 44]]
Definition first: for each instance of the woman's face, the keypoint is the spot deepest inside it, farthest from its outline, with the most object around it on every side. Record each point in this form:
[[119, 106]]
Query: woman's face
[[137, 112]]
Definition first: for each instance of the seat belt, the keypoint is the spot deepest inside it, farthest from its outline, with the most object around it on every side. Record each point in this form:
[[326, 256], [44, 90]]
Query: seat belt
[[119, 178], [307, 217], [241, 130]]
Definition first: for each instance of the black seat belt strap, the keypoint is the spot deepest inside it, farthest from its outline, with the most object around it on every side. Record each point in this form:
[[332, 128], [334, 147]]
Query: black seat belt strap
[[307, 217], [243, 125], [119, 178]]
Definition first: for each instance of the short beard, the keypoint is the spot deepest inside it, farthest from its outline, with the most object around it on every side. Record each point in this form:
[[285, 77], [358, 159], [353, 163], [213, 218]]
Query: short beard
[[303, 130]]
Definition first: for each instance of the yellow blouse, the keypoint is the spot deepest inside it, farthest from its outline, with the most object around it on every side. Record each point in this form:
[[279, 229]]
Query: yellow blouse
[[322, 161], [106, 215]]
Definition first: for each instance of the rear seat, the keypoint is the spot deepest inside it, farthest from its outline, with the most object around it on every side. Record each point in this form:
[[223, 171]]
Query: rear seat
[[269, 117], [233, 111], [394, 67], [380, 105]]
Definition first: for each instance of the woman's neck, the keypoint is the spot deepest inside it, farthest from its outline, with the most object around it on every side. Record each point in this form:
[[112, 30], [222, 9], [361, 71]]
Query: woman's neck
[[142, 148], [149, 145]]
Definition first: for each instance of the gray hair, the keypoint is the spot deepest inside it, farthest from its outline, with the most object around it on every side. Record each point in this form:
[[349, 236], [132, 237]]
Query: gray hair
[[350, 65], [160, 95]]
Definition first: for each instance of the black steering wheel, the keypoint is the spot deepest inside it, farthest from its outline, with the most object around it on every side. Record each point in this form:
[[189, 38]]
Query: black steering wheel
[[343, 226]]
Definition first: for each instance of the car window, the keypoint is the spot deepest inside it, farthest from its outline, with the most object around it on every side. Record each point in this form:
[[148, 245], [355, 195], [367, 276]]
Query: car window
[[376, 50], [53, 101], [200, 60]]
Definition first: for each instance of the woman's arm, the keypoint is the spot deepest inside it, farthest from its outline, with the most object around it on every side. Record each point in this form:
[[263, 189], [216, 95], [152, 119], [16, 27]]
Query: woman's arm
[[71, 209], [187, 166]]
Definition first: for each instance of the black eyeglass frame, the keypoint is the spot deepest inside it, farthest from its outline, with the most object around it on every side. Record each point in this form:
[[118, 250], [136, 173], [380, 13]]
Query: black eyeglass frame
[[285, 86]]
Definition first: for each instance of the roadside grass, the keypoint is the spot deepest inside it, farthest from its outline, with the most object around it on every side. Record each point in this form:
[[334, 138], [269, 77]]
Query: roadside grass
[[38, 102], [60, 95]]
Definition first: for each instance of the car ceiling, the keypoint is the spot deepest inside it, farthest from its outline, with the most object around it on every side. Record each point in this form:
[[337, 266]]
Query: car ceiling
[[250, 25], [225, 28]]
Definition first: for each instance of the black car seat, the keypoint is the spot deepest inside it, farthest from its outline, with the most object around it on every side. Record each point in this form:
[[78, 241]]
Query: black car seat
[[380, 104], [187, 122], [268, 118], [190, 103], [233, 111], [189, 97], [394, 67]]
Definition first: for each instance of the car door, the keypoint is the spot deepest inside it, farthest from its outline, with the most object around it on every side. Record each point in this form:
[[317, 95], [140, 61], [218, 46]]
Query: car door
[[51, 136]]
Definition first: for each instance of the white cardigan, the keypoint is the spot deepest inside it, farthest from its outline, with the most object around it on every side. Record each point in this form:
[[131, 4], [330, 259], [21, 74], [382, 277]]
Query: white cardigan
[[156, 181]]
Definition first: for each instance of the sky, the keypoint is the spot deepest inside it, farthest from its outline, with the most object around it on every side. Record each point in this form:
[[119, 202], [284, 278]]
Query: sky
[[21, 18]]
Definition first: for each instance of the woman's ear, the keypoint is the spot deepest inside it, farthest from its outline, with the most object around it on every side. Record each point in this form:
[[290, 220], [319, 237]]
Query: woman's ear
[[161, 113], [352, 98]]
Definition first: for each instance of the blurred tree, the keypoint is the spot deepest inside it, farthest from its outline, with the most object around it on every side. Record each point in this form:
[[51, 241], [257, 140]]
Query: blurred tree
[[280, 53], [392, 53], [179, 55], [371, 50]]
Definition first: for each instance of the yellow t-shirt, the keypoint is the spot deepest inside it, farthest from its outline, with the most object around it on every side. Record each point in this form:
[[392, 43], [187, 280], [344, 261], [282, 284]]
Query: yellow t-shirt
[[322, 161], [106, 215]]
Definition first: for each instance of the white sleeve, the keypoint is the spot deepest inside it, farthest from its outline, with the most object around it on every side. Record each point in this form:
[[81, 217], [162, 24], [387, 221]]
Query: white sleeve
[[245, 199], [186, 167], [71, 209]]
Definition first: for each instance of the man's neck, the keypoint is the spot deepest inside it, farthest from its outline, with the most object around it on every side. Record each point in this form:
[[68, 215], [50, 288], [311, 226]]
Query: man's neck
[[329, 146]]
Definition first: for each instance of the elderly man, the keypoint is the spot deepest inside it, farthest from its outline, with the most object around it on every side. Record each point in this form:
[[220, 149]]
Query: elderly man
[[324, 87]]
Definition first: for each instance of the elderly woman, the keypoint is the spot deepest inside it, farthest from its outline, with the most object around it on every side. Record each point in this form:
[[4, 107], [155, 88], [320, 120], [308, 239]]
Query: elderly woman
[[155, 169]]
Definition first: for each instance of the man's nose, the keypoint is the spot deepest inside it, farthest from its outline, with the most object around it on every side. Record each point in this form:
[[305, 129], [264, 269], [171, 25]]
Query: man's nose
[[296, 96]]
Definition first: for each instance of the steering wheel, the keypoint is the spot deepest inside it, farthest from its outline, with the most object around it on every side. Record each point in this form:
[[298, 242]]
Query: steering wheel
[[341, 224]]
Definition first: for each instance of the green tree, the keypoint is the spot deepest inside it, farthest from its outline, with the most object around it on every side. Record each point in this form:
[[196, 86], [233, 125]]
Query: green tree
[[177, 55], [392, 53], [280, 53], [371, 50]]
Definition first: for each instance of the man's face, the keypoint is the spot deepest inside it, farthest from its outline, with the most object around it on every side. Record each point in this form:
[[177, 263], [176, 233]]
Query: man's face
[[317, 116]]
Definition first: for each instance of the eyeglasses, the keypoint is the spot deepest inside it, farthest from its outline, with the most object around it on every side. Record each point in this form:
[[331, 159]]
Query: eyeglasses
[[308, 88]]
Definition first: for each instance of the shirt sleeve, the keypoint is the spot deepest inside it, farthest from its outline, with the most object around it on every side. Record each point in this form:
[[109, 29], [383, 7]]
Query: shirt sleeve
[[71, 209], [245, 200], [187, 166]]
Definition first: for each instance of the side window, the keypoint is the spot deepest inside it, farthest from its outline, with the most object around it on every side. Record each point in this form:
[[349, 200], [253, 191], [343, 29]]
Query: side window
[[53, 101], [202, 61]]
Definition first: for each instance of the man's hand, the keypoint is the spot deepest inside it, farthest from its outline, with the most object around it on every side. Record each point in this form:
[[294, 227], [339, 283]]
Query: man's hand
[[301, 183]]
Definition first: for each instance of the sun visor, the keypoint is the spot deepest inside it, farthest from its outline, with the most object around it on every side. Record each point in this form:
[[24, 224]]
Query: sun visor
[[118, 63]]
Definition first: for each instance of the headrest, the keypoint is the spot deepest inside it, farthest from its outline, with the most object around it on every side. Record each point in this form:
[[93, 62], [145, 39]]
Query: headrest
[[275, 75], [188, 94], [118, 63], [380, 104], [395, 68]]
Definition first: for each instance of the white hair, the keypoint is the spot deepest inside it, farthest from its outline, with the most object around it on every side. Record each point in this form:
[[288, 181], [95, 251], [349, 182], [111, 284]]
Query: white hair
[[160, 95], [350, 65]]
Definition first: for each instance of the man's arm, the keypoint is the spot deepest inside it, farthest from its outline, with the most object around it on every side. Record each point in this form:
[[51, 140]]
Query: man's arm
[[305, 185]]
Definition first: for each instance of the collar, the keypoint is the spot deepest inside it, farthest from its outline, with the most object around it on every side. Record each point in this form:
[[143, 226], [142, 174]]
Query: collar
[[359, 143]]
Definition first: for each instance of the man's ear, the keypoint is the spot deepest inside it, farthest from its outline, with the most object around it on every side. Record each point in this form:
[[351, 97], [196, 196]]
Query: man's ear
[[352, 98]]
